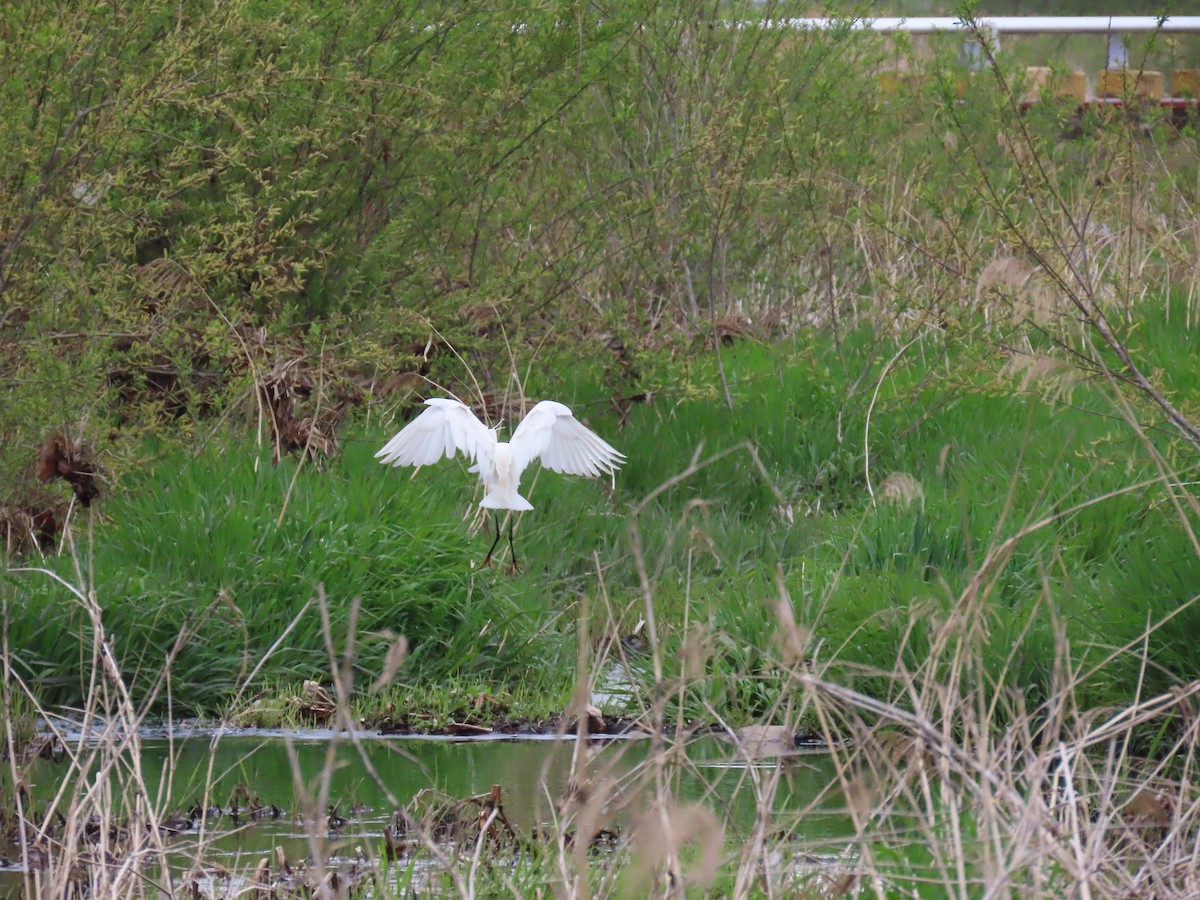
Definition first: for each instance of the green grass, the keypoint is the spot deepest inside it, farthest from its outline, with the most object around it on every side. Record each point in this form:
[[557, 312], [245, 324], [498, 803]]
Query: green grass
[[194, 542]]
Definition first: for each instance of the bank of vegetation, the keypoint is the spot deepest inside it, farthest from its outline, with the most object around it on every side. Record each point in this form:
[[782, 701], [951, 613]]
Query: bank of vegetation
[[904, 379]]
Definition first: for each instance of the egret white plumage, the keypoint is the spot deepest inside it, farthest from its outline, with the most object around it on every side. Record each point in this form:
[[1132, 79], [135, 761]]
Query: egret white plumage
[[549, 432]]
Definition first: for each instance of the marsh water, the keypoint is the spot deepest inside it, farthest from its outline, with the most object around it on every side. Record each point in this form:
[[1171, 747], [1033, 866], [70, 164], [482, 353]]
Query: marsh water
[[309, 782]]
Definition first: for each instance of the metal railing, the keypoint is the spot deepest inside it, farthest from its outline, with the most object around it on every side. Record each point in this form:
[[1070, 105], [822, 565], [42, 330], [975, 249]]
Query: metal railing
[[995, 26]]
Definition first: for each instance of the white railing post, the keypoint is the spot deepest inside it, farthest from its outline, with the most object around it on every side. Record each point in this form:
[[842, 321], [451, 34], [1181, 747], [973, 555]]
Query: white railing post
[[973, 46], [1118, 58]]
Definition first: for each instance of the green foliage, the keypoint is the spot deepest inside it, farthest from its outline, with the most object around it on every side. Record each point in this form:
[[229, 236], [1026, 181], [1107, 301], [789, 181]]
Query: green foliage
[[411, 181], [872, 582], [204, 556], [194, 545]]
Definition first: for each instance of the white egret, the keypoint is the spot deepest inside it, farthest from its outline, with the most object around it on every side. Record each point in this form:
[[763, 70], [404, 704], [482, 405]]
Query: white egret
[[548, 432]]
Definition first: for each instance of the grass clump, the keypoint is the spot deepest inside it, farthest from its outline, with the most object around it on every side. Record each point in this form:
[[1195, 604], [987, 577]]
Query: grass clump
[[1056, 512], [209, 566], [879, 495]]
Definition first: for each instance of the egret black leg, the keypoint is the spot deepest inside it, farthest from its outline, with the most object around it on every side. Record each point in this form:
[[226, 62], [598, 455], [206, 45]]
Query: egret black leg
[[487, 560], [513, 568]]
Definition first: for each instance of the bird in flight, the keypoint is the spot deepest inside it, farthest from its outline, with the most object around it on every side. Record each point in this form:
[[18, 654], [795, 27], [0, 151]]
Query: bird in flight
[[548, 433]]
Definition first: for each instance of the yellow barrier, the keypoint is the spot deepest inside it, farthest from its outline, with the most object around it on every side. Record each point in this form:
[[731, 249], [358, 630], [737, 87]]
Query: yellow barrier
[[1042, 81], [1129, 82], [1185, 83]]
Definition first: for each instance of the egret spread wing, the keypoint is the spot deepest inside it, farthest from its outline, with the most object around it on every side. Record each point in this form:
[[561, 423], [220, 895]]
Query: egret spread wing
[[549, 432], [447, 427]]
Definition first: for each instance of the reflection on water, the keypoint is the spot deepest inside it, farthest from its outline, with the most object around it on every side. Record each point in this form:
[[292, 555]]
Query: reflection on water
[[364, 781]]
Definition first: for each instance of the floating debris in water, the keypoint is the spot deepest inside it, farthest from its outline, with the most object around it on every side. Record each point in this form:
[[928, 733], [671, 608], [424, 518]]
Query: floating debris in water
[[465, 822], [315, 703]]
